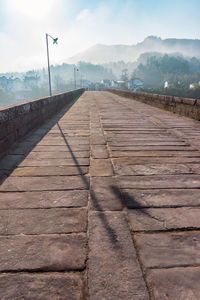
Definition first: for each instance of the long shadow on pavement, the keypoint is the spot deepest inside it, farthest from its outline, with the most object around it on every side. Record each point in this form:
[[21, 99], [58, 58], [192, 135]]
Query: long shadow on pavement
[[110, 231], [130, 202]]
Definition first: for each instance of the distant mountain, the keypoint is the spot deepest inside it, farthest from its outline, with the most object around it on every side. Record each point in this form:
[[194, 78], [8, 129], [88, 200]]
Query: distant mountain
[[101, 54]]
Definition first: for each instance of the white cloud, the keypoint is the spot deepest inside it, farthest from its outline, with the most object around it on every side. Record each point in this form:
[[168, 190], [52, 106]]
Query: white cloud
[[85, 14]]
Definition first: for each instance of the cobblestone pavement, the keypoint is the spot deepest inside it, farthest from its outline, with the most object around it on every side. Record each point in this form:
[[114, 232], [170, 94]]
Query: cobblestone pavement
[[103, 202]]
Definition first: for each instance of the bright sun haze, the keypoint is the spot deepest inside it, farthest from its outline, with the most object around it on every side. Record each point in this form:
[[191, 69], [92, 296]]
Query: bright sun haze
[[81, 24]]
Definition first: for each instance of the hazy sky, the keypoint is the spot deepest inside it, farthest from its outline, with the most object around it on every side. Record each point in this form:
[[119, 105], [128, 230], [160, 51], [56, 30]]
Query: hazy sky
[[80, 24]]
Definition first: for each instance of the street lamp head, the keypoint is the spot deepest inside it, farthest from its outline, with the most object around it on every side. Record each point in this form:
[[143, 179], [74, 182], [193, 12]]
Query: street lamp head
[[55, 41]]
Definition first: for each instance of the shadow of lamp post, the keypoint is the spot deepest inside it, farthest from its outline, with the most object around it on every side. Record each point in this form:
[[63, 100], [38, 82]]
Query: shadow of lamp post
[[55, 41]]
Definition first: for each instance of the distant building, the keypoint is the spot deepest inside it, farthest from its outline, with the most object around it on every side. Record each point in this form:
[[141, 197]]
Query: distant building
[[166, 84], [119, 84], [114, 84], [135, 84], [107, 83], [192, 86]]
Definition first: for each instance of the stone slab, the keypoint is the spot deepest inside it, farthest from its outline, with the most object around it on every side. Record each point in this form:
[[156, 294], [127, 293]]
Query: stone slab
[[117, 131], [49, 171], [97, 140], [155, 153], [161, 198], [69, 132], [176, 283], [147, 143], [42, 286], [104, 194], [151, 148], [59, 137], [100, 167], [195, 168], [68, 125], [99, 151], [114, 272], [194, 142], [131, 129], [159, 182], [17, 184], [167, 250], [61, 148], [133, 138], [42, 199], [140, 135], [155, 169], [59, 154], [155, 160], [43, 221], [43, 252], [55, 162], [164, 218], [60, 141], [73, 133]]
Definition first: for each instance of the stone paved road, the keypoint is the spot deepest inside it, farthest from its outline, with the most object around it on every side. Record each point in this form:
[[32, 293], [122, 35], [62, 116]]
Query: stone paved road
[[103, 202]]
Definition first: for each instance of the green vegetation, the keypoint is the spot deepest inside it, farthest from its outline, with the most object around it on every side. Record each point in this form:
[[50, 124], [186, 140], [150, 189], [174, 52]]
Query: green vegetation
[[181, 75], [176, 70]]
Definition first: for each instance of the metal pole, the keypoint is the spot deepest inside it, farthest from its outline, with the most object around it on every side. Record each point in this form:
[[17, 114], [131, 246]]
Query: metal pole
[[81, 80], [48, 65], [74, 77]]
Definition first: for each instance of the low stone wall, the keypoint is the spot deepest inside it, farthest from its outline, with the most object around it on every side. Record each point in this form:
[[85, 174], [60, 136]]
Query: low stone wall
[[183, 106], [17, 120]]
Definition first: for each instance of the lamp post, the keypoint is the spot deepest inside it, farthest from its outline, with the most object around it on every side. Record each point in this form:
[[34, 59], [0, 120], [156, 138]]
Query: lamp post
[[75, 70], [54, 42]]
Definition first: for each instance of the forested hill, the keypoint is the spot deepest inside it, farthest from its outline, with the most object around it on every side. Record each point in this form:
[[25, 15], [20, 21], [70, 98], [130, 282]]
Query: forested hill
[[157, 69]]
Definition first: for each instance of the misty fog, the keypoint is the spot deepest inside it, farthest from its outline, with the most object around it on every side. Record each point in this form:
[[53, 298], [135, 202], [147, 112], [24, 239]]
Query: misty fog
[[153, 62]]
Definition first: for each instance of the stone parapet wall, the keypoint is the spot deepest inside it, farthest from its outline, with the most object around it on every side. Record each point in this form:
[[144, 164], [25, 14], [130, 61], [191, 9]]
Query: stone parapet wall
[[187, 107], [17, 120]]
